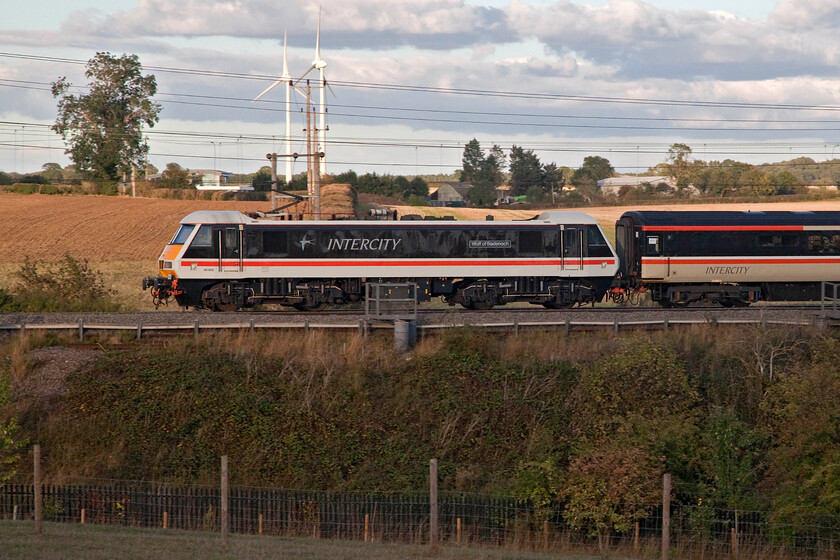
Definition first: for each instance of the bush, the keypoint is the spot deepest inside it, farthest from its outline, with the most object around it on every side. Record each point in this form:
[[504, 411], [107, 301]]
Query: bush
[[69, 285], [22, 188]]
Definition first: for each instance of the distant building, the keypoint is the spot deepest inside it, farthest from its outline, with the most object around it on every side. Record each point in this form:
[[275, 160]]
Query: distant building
[[213, 180], [449, 194], [613, 185]]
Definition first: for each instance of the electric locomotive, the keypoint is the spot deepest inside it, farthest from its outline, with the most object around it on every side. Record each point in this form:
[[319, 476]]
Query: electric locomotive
[[225, 260], [731, 258]]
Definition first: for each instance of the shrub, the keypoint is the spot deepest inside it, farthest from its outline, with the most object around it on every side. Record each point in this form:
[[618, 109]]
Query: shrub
[[69, 285]]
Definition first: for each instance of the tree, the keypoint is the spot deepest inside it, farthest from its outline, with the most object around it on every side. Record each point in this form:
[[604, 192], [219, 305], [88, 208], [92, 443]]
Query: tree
[[175, 177], [679, 158], [593, 169], [786, 182], [52, 172], [104, 126], [261, 181], [525, 170], [496, 162], [472, 161]]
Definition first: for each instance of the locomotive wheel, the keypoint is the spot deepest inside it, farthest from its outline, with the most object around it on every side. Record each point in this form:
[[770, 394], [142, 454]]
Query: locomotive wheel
[[218, 299]]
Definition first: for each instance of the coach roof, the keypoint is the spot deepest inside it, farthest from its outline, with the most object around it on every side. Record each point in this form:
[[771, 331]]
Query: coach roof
[[728, 218]]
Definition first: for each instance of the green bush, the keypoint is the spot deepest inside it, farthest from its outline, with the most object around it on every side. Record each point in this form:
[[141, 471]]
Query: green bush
[[22, 188], [69, 285]]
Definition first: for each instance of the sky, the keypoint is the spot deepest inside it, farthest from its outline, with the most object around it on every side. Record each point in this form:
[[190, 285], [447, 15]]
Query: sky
[[413, 81]]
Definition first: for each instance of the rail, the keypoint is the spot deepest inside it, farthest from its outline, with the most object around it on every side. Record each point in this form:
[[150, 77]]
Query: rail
[[82, 328]]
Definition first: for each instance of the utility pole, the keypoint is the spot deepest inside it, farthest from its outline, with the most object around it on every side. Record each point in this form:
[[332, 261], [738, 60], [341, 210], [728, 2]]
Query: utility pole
[[273, 158], [313, 164]]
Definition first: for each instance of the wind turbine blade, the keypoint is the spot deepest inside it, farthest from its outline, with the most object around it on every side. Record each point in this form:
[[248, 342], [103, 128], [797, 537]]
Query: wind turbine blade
[[311, 68], [285, 63], [329, 87], [318, 37], [269, 88]]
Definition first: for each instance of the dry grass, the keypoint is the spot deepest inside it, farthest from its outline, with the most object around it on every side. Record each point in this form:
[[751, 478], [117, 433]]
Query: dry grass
[[71, 541]]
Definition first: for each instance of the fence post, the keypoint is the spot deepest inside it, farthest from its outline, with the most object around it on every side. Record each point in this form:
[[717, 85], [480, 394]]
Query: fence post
[[666, 515], [37, 489], [367, 526], [458, 530], [433, 503], [636, 539], [225, 490]]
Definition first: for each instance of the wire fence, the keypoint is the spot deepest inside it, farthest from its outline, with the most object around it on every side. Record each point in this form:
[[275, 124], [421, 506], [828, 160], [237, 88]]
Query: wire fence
[[463, 519]]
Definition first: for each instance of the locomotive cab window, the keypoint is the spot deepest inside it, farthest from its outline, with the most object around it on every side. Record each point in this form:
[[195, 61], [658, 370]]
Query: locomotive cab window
[[202, 244], [182, 235], [596, 244]]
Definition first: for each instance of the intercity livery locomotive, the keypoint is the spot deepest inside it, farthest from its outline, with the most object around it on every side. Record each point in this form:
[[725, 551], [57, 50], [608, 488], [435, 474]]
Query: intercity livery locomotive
[[731, 258], [224, 260]]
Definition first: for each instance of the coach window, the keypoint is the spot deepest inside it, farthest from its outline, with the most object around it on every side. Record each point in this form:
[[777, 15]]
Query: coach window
[[824, 244], [777, 240]]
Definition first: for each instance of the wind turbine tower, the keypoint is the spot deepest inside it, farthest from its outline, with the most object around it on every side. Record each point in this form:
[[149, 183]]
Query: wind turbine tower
[[285, 79]]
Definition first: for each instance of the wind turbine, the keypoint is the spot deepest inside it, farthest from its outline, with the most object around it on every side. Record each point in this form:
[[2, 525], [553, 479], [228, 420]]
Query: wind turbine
[[285, 79]]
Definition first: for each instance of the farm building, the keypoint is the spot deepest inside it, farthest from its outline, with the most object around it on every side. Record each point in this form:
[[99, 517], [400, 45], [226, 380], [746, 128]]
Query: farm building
[[449, 194]]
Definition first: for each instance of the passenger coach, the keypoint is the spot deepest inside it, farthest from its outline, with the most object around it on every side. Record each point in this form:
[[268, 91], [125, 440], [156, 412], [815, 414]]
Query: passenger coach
[[733, 258], [228, 260]]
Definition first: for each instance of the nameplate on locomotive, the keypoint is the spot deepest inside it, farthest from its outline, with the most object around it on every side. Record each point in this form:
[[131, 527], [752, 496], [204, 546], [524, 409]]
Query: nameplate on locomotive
[[490, 244]]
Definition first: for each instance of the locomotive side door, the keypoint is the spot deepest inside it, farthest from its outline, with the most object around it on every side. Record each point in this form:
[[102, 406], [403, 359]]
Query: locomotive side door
[[572, 248], [230, 249]]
